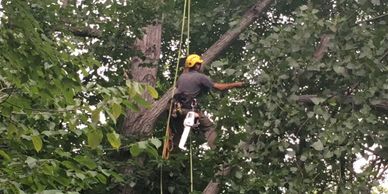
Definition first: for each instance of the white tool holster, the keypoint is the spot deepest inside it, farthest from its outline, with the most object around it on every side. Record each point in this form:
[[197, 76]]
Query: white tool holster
[[187, 123]]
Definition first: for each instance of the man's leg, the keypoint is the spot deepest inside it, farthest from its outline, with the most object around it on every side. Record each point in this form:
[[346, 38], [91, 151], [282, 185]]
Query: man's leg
[[208, 129], [177, 129]]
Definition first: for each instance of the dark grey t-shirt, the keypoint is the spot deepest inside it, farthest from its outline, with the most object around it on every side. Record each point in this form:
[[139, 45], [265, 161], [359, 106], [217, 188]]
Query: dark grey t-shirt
[[194, 83]]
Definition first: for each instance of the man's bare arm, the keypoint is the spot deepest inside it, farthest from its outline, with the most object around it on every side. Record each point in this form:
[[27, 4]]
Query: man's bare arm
[[225, 86]]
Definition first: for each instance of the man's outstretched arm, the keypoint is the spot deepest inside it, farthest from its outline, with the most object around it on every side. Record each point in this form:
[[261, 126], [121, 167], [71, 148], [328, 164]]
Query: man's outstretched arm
[[225, 86]]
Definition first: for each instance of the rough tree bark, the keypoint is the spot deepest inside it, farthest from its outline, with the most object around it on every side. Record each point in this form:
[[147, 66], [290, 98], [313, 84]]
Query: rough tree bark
[[142, 70]]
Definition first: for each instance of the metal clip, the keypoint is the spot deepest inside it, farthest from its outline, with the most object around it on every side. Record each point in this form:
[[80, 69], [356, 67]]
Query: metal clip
[[194, 104]]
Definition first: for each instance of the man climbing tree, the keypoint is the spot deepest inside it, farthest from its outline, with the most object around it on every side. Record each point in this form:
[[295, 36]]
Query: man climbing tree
[[191, 85]]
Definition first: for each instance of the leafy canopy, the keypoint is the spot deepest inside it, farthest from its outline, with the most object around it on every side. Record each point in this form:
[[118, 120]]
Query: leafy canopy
[[63, 95]]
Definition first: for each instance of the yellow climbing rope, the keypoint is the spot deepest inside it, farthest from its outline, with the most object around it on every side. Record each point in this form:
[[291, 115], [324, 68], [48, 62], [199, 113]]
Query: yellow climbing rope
[[166, 144]]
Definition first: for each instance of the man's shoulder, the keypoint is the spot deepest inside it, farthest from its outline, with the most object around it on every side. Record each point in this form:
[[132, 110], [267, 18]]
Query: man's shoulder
[[199, 74]]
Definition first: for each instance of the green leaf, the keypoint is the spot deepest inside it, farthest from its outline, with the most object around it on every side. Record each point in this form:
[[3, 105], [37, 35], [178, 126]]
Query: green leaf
[[13, 131], [376, 2], [317, 100], [217, 64], [233, 23], [310, 114], [135, 150], [70, 165], [63, 180], [31, 162], [157, 143], [317, 145], [4, 155], [80, 175], [116, 110], [292, 62], [94, 138], [51, 192], [230, 72], [152, 151], [37, 141], [152, 91], [102, 178], [333, 28], [328, 154], [238, 174], [114, 140], [303, 7], [138, 99], [86, 161], [142, 144], [108, 112], [339, 70], [131, 106], [96, 115], [332, 102]]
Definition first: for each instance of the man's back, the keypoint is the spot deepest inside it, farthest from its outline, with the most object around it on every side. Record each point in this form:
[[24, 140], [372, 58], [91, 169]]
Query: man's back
[[194, 83]]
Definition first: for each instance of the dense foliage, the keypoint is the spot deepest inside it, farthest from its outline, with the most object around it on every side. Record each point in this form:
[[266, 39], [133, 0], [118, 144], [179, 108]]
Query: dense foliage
[[295, 147], [63, 92], [52, 136]]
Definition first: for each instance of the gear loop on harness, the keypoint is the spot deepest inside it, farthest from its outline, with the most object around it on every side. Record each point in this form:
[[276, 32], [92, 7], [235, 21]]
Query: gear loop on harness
[[194, 105]]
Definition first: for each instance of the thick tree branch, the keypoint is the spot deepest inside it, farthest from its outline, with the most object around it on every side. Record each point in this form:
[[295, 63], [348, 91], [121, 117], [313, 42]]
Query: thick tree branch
[[213, 186], [322, 48], [86, 32], [247, 19]]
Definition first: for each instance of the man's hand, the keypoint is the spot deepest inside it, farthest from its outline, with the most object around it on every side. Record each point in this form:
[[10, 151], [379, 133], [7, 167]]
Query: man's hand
[[240, 84]]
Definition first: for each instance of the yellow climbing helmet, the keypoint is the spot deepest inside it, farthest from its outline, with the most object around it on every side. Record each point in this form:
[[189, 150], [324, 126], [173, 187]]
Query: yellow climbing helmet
[[193, 59]]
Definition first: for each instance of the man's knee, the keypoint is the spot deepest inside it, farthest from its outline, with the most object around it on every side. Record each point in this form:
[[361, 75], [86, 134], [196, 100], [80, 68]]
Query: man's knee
[[211, 136]]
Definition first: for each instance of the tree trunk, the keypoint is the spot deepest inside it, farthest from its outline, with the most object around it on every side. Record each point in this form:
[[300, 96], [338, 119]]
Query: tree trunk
[[144, 71]]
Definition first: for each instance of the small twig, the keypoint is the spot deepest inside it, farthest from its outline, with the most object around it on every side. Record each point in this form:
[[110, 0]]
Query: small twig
[[41, 111], [382, 57], [6, 98], [371, 151], [300, 169], [380, 175], [297, 132]]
